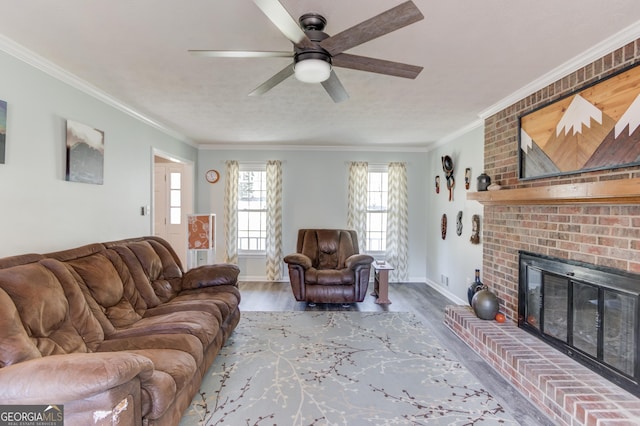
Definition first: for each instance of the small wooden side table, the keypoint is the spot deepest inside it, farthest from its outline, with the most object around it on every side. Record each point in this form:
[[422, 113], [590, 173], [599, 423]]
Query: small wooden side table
[[381, 282]]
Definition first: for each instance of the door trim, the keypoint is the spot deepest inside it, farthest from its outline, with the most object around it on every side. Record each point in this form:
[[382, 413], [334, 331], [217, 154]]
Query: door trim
[[190, 170]]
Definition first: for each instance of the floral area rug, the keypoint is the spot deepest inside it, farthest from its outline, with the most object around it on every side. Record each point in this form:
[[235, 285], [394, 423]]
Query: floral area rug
[[339, 368]]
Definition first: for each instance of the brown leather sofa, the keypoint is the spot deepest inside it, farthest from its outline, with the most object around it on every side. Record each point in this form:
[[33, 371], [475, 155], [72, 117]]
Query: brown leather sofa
[[116, 332], [328, 268]]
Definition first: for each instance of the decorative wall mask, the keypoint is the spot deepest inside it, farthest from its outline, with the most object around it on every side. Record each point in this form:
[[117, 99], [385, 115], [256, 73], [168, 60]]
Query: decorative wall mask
[[459, 223], [437, 182], [467, 178], [475, 229], [443, 226], [447, 166]]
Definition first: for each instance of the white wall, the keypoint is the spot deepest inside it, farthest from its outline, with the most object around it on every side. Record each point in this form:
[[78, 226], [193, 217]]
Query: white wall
[[455, 257], [314, 196], [39, 210]]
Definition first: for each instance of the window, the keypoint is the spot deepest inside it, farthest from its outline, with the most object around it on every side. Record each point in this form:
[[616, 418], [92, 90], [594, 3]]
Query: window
[[377, 210], [175, 198], [252, 210]]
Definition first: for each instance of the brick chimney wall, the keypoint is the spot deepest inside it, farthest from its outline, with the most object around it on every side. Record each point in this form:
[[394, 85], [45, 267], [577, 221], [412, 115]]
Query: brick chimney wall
[[607, 235]]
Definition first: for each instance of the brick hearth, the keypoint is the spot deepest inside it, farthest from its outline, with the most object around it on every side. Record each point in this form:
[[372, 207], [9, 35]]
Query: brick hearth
[[568, 392]]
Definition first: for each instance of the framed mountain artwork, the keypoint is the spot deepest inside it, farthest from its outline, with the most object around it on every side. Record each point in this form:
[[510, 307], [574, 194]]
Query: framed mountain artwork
[[595, 128], [85, 153]]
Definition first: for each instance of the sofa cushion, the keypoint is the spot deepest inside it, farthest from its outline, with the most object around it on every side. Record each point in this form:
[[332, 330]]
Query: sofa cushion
[[183, 342], [155, 281], [225, 298], [203, 325], [327, 248], [43, 308], [163, 272], [139, 276], [329, 276], [105, 284], [80, 314], [16, 345], [187, 305], [327, 259]]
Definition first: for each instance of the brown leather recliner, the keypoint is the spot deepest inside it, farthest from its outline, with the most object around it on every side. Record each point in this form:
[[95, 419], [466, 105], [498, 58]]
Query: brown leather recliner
[[328, 267]]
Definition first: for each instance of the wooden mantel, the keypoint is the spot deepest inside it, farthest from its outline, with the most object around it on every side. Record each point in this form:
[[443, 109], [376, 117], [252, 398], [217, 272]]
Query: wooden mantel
[[620, 191]]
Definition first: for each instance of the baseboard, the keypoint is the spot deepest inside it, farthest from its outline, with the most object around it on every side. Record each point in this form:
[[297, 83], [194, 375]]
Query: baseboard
[[261, 278], [446, 293], [285, 279]]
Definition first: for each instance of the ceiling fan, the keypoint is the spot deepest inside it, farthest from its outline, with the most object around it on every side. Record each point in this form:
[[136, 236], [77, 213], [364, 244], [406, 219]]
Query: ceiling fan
[[315, 53]]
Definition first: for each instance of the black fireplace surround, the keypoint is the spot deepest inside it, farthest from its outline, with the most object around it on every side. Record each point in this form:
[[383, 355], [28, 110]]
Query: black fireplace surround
[[589, 312]]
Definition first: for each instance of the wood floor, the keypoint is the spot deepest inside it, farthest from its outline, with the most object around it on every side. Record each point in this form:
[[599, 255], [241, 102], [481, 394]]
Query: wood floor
[[428, 305]]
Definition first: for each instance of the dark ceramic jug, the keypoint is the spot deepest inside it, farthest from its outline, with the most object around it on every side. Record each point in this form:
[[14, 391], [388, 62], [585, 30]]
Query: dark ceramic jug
[[483, 182]]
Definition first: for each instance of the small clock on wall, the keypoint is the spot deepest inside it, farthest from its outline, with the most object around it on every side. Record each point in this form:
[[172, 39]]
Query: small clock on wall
[[212, 176]]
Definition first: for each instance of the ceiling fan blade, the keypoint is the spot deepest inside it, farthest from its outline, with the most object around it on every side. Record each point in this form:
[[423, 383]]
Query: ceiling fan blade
[[335, 89], [380, 66], [278, 78], [240, 54], [395, 18], [276, 12]]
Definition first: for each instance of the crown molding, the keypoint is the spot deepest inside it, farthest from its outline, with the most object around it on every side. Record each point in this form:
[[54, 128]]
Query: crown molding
[[342, 148], [618, 40], [25, 55]]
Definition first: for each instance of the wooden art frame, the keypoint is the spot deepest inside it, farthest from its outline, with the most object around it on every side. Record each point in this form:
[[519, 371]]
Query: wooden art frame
[[594, 128]]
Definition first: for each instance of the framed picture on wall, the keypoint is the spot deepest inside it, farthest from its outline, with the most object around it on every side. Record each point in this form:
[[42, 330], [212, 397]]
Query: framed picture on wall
[[3, 130], [594, 128], [85, 153]]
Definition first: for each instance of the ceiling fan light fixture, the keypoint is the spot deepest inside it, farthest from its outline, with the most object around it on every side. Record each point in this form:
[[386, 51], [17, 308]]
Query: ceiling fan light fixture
[[312, 70]]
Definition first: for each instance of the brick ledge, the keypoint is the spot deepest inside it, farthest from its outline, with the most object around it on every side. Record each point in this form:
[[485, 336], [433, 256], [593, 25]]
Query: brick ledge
[[568, 392]]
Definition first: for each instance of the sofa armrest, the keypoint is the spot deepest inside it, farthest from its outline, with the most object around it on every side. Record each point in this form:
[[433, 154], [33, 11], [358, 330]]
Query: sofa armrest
[[70, 377], [356, 260], [298, 259], [211, 275]]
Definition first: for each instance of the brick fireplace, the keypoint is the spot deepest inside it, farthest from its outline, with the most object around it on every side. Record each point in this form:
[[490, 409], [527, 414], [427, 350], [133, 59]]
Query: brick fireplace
[[607, 235], [597, 232]]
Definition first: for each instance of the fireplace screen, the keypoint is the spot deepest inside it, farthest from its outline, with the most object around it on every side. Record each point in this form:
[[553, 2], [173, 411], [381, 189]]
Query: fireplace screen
[[590, 313]]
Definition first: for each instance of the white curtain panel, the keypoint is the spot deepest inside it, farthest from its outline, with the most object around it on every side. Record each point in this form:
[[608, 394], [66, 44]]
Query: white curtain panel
[[231, 212], [274, 220], [357, 203], [398, 222]]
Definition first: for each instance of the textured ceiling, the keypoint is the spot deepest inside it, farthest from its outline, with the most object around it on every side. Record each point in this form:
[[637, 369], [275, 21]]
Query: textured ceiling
[[474, 54]]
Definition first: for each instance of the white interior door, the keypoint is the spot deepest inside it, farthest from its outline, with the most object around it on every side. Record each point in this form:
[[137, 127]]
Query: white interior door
[[173, 200]]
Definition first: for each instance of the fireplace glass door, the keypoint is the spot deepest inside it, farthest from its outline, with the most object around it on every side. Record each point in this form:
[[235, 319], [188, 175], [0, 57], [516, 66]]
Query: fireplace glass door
[[589, 313], [555, 306], [619, 349], [585, 318]]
